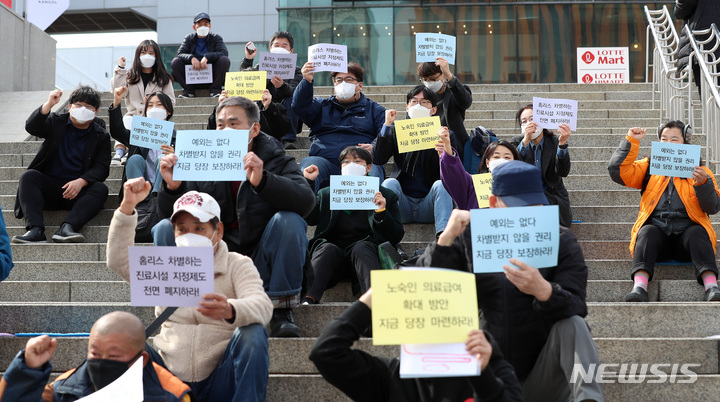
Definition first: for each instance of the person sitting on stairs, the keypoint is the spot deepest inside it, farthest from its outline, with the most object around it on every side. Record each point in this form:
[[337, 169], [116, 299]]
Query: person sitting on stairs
[[674, 221]]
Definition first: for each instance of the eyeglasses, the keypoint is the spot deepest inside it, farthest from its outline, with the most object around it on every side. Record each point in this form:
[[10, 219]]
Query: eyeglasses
[[431, 79], [526, 120], [349, 80], [424, 102]]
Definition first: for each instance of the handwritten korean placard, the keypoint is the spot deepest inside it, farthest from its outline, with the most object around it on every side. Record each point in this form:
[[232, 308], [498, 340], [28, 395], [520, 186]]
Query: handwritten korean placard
[[674, 160], [353, 192], [483, 188], [150, 133], [530, 234], [193, 76], [550, 113], [417, 134], [211, 155], [249, 84], [423, 306], [427, 360], [170, 276], [429, 46], [328, 57], [282, 65]]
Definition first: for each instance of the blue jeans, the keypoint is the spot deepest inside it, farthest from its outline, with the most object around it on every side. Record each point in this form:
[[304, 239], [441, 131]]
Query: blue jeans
[[327, 169], [436, 206], [279, 256], [136, 166]]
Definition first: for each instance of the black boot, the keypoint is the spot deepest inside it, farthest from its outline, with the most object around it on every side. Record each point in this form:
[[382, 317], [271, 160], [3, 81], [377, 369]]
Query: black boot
[[34, 235], [282, 324], [66, 234]]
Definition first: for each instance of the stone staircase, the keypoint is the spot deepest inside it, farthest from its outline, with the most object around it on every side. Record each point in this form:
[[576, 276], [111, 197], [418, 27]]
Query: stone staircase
[[66, 287]]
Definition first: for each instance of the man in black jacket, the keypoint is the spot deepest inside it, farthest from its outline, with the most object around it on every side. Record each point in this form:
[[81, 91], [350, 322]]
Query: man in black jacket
[[699, 15], [364, 377], [200, 49], [535, 314], [262, 213], [69, 170]]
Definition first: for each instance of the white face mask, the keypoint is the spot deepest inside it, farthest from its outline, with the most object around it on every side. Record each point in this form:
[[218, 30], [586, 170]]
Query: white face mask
[[433, 85], [496, 162], [345, 90], [82, 114], [279, 50], [418, 111], [354, 169], [536, 134], [156, 113], [194, 240], [147, 60], [203, 31], [127, 122]]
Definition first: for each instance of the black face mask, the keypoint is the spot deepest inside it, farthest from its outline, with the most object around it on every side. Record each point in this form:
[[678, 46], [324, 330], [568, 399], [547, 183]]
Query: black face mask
[[102, 372]]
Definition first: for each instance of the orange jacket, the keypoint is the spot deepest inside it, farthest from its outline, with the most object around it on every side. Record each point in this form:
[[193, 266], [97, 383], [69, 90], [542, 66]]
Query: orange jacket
[[625, 170]]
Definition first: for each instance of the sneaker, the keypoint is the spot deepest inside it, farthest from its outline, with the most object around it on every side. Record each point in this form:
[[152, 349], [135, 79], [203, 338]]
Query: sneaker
[[214, 94], [186, 95], [116, 160], [123, 160], [288, 144], [638, 294], [66, 234], [403, 254], [712, 294], [282, 324], [388, 256], [307, 300], [34, 235]]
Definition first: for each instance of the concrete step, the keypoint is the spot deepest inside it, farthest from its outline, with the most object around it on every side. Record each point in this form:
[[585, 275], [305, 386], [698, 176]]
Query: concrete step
[[7, 202], [49, 270], [9, 187], [619, 268], [55, 218]]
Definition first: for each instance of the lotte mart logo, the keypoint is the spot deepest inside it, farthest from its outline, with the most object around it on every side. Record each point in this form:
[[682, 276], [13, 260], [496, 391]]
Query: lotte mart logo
[[587, 78], [588, 57]]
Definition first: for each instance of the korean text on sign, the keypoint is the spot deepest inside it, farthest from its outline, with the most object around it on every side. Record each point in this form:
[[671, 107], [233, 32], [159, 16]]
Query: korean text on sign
[[483, 188], [674, 160], [423, 306], [211, 155], [282, 65], [328, 57], [170, 276], [249, 84], [417, 134], [551, 113], [429, 46], [353, 192], [193, 76], [150, 133], [529, 234]]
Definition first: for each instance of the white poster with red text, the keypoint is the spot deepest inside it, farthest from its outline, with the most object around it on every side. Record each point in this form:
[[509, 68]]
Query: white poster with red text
[[603, 65]]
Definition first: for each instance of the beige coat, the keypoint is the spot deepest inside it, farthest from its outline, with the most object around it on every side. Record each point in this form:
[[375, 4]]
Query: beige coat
[[190, 343], [135, 98]]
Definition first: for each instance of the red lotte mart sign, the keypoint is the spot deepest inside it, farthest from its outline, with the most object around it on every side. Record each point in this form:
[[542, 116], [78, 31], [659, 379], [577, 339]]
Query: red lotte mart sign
[[603, 65]]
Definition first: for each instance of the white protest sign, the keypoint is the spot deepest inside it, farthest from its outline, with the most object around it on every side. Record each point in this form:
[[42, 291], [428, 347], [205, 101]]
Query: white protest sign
[[43, 13], [603, 65], [353, 192], [328, 57], [429, 46], [127, 388], [211, 155], [437, 360], [674, 160], [551, 113], [193, 76], [150, 133], [282, 65], [530, 234], [170, 276]]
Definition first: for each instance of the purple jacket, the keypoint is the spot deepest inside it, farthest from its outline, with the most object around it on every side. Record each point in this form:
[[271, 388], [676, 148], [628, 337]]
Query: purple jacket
[[457, 181]]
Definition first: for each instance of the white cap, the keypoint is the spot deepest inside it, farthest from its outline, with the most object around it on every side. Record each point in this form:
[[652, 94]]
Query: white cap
[[200, 205]]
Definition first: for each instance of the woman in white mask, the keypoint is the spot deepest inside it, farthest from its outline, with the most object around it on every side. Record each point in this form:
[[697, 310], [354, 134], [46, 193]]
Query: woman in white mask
[[146, 75], [142, 162], [457, 181], [549, 153]]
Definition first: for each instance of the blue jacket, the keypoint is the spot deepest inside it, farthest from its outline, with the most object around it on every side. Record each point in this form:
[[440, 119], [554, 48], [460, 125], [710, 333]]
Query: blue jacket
[[23, 384], [333, 126], [6, 263]]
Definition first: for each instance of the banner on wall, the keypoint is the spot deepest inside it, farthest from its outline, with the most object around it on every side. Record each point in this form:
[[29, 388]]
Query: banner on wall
[[603, 65], [42, 13]]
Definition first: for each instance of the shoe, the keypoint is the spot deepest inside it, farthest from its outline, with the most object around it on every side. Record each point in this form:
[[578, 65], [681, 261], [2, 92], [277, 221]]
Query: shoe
[[214, 94], [186, 95], [388, 256], [307, 300], [289, 144], [116, 160], [404, 255], [34, 235], [712, 294], [66, 234], [639, 294], [282, 324], [123, 160]]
